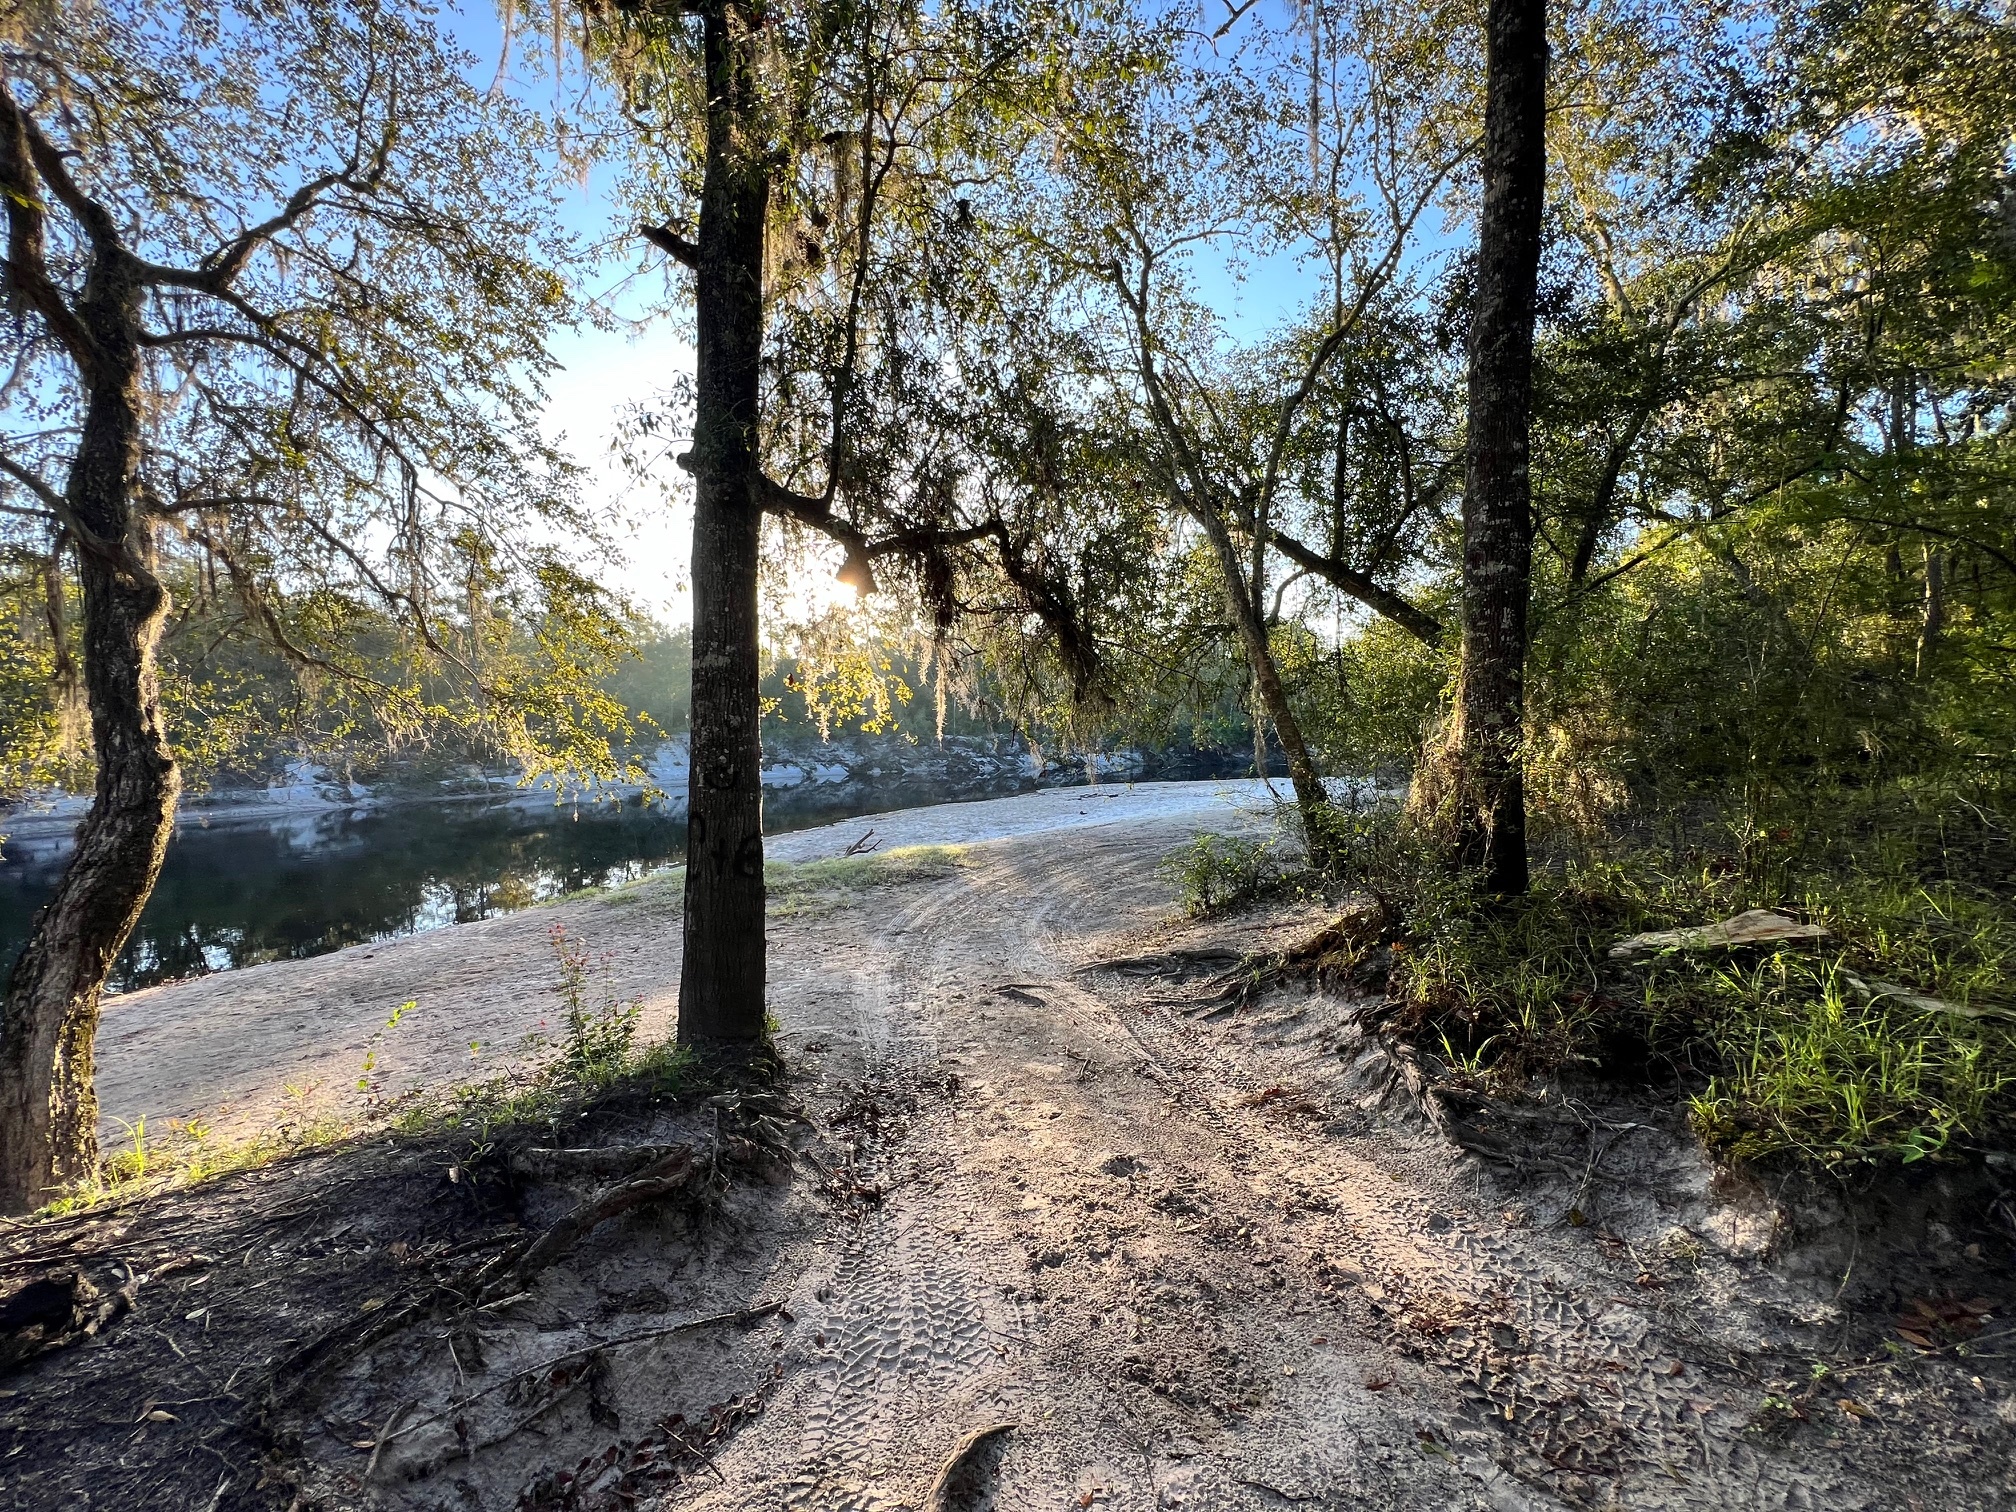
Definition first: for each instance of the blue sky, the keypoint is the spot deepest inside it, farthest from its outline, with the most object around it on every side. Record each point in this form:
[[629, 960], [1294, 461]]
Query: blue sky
[[604, 373]]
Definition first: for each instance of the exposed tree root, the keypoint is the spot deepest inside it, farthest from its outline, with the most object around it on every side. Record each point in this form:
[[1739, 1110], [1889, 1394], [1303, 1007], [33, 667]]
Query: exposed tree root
[[750, 1129], [560, 1165], [1349, 950], [518, 1267], [64, 1308], [567, 1373]]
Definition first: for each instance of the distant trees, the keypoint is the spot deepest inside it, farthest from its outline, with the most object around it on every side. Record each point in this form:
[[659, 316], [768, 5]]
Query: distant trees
[[279, 279]]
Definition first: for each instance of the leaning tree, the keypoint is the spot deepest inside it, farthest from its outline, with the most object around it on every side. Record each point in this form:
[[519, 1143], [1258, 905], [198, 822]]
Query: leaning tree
[[1323, 144], [278, 281]]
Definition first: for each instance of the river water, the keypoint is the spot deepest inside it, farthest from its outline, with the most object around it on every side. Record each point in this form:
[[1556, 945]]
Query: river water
[[235, 893]]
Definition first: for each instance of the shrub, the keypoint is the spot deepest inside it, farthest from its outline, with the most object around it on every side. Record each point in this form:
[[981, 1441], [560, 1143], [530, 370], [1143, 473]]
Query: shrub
[[1215, 873], [1894, 1043], [597, 1043]]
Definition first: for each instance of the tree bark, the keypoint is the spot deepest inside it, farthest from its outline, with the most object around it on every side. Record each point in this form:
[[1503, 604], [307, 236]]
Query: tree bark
[[1312, 799], [1488, 735], [721, 986], [48, 1108], [1934, 623]]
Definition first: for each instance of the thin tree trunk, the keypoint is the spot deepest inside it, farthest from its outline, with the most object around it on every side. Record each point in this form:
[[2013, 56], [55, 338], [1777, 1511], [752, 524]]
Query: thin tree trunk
[[1934, 623], [721, 985], [48, 1108], [1311, 798], [1488, 735]]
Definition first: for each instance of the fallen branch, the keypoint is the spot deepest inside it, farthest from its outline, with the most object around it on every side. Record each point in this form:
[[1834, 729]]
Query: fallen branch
[[954, 1487]]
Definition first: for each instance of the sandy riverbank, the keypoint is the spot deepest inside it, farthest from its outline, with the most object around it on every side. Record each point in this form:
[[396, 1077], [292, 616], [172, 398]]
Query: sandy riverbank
[[244, 1050]]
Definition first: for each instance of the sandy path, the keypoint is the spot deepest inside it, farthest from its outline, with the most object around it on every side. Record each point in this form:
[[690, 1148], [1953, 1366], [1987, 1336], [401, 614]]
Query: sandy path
[[1197, 1264], [245, 1050], [1194, 1263]]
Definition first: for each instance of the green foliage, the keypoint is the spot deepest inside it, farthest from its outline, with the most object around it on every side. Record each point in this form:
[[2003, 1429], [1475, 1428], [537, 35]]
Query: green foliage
[[39, 720], [369, 546], [1368, 699], [653, 681], [1896, 1041], [597, 1044], [1220, 873]]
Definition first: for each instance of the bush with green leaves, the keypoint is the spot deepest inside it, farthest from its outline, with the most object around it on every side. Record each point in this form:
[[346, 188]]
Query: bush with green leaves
[[1892, 1041], [1218, 873]]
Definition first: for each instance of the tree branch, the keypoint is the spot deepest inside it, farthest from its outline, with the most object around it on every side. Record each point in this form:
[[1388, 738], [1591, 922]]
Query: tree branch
[[27, 263], [673, 245], [1340, 575]]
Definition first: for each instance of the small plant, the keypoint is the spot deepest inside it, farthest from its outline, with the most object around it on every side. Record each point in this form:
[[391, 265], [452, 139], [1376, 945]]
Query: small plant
[[1215, 873], [599, 1037], [367, 1074], [131, 1163]]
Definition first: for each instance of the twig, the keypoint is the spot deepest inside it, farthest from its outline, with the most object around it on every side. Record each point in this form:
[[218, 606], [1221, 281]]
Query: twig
[[386, 1435], [746, 1315]]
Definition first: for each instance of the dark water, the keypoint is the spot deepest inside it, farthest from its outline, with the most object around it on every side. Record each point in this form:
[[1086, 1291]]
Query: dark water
[[241, 893]]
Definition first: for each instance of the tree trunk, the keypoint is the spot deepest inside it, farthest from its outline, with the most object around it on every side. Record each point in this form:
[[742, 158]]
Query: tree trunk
[[48, 1108], [1488, 735], [721, 984], [1311, 798], [1934, 623]]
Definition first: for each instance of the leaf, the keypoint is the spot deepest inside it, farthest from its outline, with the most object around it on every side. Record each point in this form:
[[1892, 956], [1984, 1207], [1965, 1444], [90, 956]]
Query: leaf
[[158, 1416]]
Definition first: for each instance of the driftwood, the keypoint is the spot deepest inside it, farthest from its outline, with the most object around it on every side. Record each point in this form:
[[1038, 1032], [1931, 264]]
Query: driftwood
[[959, 1484]]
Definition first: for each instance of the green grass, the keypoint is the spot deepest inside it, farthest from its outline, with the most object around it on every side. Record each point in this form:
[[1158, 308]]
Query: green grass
[[813, 887], [1812, 1056]]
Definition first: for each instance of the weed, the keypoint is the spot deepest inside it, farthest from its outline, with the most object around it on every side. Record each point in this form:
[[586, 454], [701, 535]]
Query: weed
[[600, 1035], [1218, 873]]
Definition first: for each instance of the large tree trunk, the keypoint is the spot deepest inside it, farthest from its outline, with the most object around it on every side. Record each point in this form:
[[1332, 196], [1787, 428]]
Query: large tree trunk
[[48, 1109], [1488, 735], [722, 976]]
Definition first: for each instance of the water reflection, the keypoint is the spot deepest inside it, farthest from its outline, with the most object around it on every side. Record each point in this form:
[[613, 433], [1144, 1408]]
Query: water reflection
[[239, 894]]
